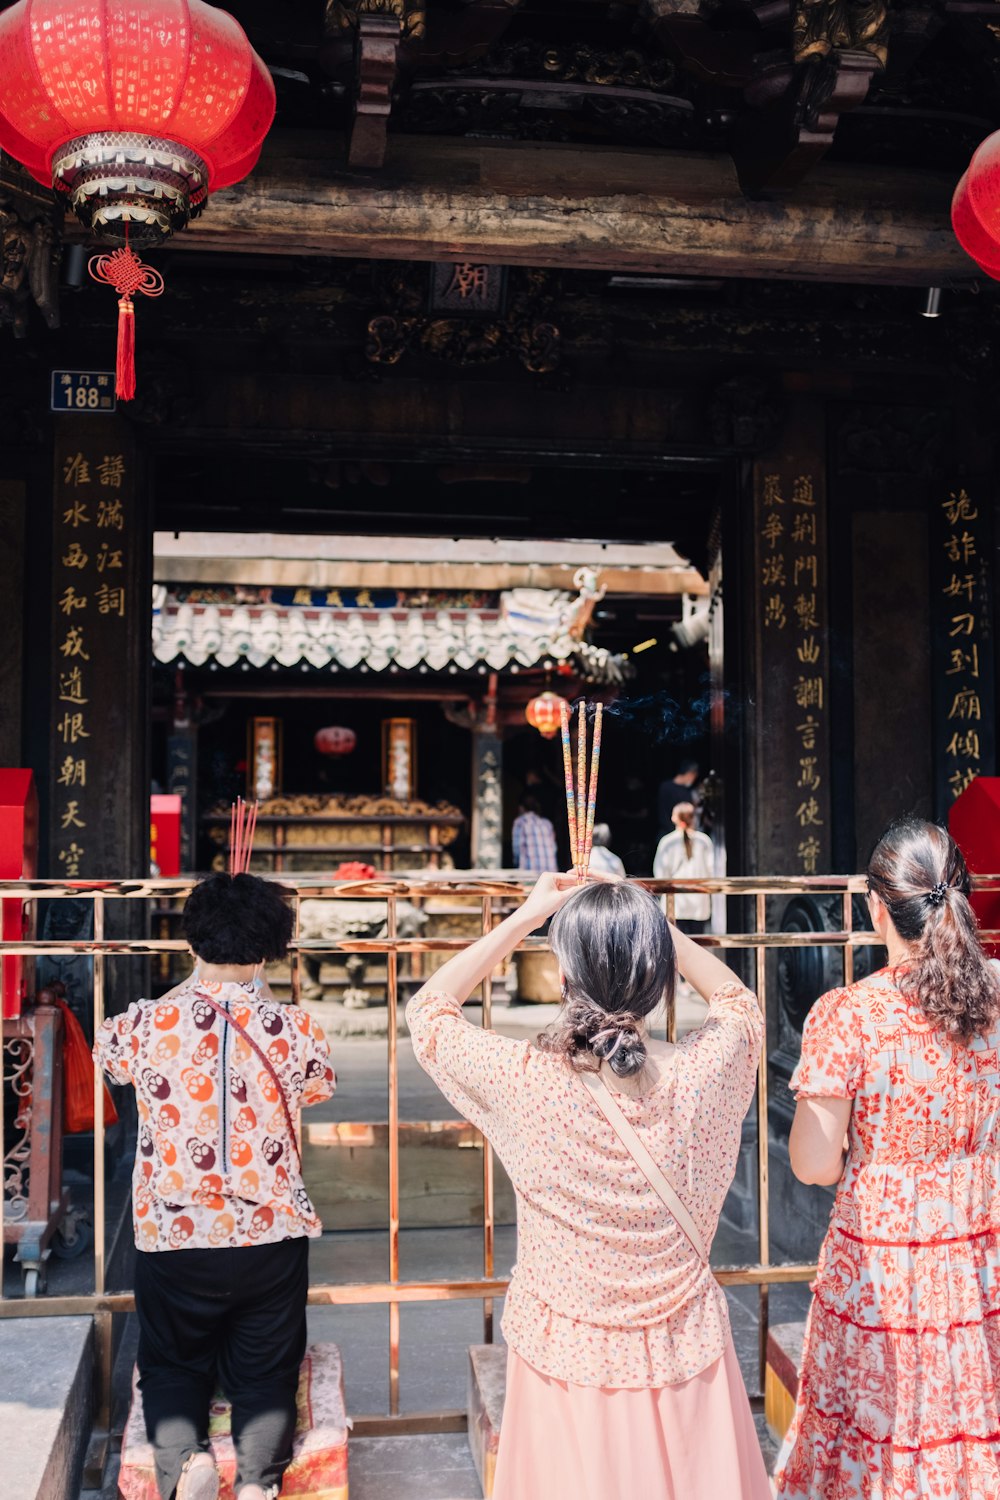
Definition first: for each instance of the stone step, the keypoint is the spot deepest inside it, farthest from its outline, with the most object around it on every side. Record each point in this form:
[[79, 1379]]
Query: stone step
[[318, 1470], [781, 1379], [46, 1400], [346, 1169], [487, 1388]]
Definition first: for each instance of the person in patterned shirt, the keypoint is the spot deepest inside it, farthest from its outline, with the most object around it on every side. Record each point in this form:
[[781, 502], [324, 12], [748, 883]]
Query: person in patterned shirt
[[221, 1216], [622, 1378], [533, 838]]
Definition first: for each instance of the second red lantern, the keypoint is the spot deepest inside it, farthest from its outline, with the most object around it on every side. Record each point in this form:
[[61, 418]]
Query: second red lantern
[[543, 714], [975, 208]]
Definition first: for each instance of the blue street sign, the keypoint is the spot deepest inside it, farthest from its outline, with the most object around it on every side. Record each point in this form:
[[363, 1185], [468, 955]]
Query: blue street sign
[[82, 391]]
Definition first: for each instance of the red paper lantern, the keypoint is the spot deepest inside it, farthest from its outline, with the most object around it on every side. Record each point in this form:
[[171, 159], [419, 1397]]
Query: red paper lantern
[[544, 714], [137, 111], [336, 740], [975, 208]]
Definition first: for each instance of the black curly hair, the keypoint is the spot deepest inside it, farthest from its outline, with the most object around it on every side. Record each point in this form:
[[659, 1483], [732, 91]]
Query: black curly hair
[[238, 919]]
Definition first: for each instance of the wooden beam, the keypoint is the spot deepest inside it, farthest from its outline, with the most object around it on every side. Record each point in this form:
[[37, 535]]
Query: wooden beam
[[661, 583], [596, 208]]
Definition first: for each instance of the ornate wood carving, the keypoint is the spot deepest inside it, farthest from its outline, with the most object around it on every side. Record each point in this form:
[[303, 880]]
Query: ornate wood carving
[[823, 27], [530, 90], [776, 149], [525, 331], [29, 249], [376, 47], [345, 15]]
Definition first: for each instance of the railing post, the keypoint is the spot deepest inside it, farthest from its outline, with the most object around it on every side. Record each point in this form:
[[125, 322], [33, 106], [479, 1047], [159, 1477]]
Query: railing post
[[392, 1020], [763, 1223], [489, 1208], [103, 1321], [848, 946]]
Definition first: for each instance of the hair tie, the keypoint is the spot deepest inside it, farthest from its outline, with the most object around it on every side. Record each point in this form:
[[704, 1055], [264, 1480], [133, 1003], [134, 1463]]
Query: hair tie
[[599, 1036], [937, 893]]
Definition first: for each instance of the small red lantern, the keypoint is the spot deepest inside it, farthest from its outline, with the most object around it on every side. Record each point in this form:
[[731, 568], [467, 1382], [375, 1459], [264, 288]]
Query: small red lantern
[[544, 714], [138, 110], [336, 740], [975, 208]]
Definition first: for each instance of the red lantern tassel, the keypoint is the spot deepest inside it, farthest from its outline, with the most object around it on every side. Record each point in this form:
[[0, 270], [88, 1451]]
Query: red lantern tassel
[[125, 367]]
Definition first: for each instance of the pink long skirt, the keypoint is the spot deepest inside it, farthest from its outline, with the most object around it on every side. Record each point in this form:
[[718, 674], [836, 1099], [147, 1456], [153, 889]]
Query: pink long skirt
[[694, 1441]]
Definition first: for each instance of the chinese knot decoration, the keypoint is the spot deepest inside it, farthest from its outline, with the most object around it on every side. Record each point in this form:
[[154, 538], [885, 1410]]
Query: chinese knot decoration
[[543, 713], [975, 208], [123, 270], [136, 111]]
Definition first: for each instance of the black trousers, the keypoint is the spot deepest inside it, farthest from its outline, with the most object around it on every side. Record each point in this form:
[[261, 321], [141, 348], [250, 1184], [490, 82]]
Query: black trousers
[[234, 1319]]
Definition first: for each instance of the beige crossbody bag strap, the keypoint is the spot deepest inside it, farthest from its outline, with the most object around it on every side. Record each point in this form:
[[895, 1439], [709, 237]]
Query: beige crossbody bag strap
[[605, 1102]]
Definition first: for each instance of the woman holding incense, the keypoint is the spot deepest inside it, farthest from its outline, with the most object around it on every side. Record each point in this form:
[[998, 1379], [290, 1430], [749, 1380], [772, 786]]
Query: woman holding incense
[[899, 1396], [622, 1377], [222, 1219]]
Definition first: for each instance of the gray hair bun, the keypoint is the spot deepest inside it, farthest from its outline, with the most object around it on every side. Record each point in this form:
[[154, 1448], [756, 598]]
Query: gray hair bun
[[620, 1044]]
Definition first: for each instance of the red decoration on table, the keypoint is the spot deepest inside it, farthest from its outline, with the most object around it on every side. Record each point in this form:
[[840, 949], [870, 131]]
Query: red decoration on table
[[353, 869], [543, 713], [138, 110], [975, 208]]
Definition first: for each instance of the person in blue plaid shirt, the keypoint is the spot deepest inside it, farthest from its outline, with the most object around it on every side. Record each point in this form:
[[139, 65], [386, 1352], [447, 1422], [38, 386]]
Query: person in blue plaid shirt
[[533, 838]]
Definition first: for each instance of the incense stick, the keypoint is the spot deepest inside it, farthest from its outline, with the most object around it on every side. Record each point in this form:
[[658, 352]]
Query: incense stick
[[242, 827], [252, 829], [581, 786], [595, 760], [567, 750]]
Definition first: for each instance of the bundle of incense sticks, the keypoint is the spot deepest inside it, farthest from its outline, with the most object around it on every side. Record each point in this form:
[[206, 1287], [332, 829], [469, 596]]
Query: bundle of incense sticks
[[581, 801], [242, 826]]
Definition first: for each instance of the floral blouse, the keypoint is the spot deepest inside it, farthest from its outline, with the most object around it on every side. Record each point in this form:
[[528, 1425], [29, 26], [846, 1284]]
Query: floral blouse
[[214, 1164], [607, 1290]]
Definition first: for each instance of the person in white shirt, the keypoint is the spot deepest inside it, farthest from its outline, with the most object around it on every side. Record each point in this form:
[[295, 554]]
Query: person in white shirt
[[602, 861], [686, 854]]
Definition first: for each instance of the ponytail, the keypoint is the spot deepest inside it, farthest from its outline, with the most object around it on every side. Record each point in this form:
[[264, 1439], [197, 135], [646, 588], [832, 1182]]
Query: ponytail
[[919, 872], [684, 818]]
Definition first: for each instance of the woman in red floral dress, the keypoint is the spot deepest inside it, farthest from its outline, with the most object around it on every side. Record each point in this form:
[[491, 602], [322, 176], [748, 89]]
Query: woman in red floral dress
[[899, 1397]]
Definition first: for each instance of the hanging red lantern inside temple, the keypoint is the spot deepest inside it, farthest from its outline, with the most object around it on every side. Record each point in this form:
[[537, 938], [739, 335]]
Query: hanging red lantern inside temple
[[975, 208], [137, 111], [336, 740], [544, 714]]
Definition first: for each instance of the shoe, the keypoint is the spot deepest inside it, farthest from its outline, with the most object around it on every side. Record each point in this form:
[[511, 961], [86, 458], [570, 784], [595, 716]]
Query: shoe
[[199, 1479]]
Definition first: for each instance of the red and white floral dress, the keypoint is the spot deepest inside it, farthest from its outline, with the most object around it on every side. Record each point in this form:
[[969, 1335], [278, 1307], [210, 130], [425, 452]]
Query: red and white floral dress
[[899, 1397]]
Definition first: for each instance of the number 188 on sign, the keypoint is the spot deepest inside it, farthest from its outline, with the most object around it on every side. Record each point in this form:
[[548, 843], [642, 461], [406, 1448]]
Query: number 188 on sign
[[82, 391]]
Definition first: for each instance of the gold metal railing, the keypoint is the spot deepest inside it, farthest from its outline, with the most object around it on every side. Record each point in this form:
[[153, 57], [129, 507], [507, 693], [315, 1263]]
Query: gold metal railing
[[395, 1291]]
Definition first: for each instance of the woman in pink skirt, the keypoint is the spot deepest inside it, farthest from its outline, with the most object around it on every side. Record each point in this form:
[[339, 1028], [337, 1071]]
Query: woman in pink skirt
[[622, 1377]]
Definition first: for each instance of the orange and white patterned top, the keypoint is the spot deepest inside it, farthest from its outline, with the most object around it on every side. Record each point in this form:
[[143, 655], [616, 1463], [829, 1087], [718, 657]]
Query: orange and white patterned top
[[214, 1164], [607, 1290]]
